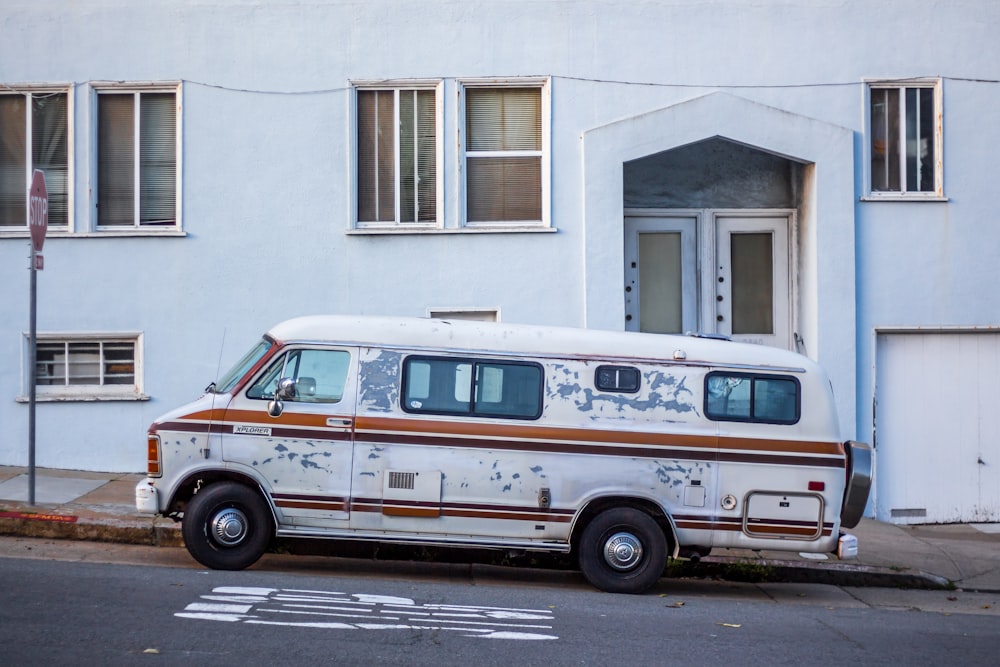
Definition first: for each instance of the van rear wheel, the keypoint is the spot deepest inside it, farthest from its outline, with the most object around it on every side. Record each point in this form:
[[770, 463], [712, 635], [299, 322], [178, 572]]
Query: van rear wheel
[[227, 526], [622, 550]]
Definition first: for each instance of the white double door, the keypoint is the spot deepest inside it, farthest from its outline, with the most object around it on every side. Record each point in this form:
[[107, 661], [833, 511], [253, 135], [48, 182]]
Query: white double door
[[711, 271]]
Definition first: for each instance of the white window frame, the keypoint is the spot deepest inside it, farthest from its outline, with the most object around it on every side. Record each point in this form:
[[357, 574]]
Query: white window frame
[[85, 392], [904, 195], [544, 85], [28, 91], [397, 85], [136, 89]]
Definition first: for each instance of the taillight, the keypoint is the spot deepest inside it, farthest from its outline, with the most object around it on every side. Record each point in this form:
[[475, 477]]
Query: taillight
[[153, 468]]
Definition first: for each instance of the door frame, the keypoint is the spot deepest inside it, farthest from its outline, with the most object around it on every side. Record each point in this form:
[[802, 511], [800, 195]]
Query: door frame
[[706, 249]]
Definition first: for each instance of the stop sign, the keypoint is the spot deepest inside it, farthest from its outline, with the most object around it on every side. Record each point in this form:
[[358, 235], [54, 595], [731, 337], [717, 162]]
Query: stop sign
[[38, 210]]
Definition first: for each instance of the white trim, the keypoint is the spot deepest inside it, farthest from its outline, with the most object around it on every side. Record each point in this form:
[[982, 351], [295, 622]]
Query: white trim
[[100, 235], [137, 89], [104, 392], [909, 196], [937, 85], [28, 90], [937, 329], [544, 84], [428, 229], [396, 85]]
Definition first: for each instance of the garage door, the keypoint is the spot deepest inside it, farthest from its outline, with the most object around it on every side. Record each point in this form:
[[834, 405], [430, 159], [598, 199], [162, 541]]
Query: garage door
[[937, 427]]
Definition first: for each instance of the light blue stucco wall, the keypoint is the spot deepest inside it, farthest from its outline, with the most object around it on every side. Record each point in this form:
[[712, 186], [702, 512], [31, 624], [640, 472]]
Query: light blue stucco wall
[[266, 174]]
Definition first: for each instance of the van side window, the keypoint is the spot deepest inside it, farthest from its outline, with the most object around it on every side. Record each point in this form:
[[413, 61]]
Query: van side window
[[320, 376], [767, 399], [479, 388], [624, 379]]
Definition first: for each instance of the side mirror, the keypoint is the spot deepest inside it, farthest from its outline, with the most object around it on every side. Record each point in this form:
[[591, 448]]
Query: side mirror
[[285, 391]]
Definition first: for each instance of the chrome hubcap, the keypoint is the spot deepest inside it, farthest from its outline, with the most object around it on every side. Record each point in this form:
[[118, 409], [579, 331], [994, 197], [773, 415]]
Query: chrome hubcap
[[229, 526], [623, 551]]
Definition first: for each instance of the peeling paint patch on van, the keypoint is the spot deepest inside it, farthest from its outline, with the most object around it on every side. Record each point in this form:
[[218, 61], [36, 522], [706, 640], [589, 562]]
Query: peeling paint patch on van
[[378, 381], [663, 393], [663, 472]]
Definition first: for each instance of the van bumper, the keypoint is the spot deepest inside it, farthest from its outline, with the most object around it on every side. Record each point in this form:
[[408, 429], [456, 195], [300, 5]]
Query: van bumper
[[147, 499], [859, 482]]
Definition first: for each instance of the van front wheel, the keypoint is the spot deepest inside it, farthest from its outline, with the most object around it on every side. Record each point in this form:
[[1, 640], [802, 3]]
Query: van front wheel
[[227, 526], [622, 550]]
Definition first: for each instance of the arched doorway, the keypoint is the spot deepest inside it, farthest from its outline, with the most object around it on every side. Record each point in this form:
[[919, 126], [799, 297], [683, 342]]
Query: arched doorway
[[709, 242]]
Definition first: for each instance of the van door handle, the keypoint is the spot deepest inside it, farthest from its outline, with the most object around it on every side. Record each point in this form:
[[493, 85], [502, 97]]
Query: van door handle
[[338, 421]]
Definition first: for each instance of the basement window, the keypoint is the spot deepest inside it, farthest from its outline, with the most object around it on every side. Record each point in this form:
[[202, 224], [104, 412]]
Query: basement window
[[89, 367]]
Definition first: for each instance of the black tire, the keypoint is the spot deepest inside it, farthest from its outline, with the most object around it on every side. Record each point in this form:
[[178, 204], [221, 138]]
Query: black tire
[[622, 550], [227, 526]]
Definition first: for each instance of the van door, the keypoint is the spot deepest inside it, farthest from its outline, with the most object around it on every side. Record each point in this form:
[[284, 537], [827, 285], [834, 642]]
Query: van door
[[304, 453]]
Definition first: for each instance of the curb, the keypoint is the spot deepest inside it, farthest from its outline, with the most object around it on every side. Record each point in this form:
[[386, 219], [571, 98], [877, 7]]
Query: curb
[[836, 573], [148, 532]]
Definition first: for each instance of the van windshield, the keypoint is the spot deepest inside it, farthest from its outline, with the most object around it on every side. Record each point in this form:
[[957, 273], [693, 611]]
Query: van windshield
[[229, 380]]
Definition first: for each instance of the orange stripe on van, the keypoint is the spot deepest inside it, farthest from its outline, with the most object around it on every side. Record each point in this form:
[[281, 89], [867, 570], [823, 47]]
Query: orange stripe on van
[[771, 445], [286, 418], [494, 431]]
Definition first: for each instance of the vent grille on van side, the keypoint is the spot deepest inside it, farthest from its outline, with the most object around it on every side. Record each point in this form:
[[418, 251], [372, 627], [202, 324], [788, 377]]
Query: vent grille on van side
[[402, 480]]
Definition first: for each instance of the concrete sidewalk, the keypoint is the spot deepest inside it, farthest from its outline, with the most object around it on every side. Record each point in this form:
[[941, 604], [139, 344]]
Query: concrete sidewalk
[[80, 505]]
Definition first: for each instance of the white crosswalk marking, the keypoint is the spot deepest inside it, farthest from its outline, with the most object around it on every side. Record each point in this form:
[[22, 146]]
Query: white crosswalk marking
[[364, 611]]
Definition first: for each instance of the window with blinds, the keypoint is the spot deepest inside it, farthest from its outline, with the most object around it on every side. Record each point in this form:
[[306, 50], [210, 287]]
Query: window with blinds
[[396, 159], [137, 159], [47, 149], [503, 154]]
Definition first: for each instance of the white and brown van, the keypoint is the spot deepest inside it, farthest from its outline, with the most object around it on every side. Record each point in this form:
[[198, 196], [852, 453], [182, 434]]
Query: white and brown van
[[625, 448]]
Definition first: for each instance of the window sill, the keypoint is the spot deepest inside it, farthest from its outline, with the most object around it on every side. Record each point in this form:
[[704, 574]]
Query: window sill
[[492, 229], [903, 197], [173, 233], [81, 397]]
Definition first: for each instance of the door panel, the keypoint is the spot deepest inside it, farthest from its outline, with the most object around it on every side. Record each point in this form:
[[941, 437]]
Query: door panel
[[937, 427], [752, 283], [661, 275], [305, 453]]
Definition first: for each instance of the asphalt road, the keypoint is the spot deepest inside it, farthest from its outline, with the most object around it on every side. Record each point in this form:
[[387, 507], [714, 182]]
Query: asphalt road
[[67, 603]]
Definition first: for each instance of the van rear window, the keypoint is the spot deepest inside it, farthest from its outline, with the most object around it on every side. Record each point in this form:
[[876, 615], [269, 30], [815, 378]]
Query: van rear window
[[746, 397], [474, 387]]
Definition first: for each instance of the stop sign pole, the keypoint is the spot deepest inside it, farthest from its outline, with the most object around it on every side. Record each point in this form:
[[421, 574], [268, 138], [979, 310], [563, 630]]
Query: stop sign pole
[[38, 223]]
